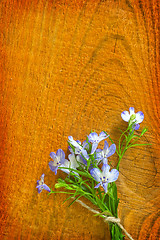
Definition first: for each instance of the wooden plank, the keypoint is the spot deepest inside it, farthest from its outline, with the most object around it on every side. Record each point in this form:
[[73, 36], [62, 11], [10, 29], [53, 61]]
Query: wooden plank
[[68, 67]]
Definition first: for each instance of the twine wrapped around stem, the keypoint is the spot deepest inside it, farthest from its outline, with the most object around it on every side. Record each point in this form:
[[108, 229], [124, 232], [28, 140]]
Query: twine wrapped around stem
[[105, 218]]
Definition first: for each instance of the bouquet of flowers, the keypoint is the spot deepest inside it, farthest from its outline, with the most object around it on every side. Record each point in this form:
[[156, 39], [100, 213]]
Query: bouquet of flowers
[[89, 172]]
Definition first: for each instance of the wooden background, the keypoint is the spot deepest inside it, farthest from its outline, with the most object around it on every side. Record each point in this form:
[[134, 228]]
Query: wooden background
[[67, 67]]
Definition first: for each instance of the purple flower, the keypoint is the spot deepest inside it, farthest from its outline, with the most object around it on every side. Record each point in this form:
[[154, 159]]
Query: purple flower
[[58, 160], [95, 139], [106, 152], [133, 117], [41, 185], [105, 176]]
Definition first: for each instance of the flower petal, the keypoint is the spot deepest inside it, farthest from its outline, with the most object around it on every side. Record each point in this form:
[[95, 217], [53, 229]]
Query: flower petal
[[39, 189], [73, 142], [102, 136], [60, 154], [73, 161], [105, 187], [139, 117], [85, 154], [131, 110], [111, 150], [93, 137], [105, 169], [53, 156], [113, 175], [94, 146], [98, 155], [125, 116], [137, 127], [97, 186], [105, 161], [42, 176], [85, 145], [52, 167], [78, 150], [66, 165], [96, 174], [81, 160], [46, 187], [106, 145]]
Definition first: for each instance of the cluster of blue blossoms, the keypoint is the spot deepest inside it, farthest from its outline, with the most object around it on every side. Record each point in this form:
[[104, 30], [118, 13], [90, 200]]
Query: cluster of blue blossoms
[[88, 156]]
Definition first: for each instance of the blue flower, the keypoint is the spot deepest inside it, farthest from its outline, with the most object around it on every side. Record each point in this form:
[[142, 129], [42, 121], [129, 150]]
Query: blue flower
[[58, 160], [105, 176], [41, 185], [132, 117], [95, 139], [106, 152]]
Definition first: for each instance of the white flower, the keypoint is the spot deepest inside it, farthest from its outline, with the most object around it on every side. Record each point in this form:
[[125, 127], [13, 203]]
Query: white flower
[[70, 164], [133, 117]]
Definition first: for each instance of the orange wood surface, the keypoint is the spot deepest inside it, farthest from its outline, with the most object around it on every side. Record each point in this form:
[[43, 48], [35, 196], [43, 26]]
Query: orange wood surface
[[67, 67]]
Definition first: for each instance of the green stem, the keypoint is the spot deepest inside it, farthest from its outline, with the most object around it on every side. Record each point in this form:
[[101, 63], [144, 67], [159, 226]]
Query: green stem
[[121, 144]]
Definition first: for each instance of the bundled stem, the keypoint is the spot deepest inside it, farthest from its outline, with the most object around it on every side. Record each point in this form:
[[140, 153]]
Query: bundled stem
[[106, 219]]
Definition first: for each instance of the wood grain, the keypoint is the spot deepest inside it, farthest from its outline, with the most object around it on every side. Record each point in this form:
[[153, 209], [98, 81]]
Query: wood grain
[[68, 67]]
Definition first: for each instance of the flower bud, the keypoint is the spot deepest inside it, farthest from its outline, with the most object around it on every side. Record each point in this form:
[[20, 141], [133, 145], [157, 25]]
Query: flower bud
[[133, 117]]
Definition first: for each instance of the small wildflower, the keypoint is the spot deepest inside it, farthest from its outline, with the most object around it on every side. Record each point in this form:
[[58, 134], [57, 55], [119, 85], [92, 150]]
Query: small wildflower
[[41, 185], [105, 176], [106, 152], [76, 144], [95, 139], [133, 117], [58, 160]]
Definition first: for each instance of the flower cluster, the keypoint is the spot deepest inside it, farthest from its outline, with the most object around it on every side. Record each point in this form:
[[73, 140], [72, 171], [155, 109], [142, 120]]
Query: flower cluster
[[89, 172], [87, 156]]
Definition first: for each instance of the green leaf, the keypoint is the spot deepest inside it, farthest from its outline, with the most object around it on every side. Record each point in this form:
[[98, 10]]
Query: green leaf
[[86, 188], [74, 201], [138, 144], [113, 232], [85, 174], [143, 131], [61, 192], [118, 233]]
